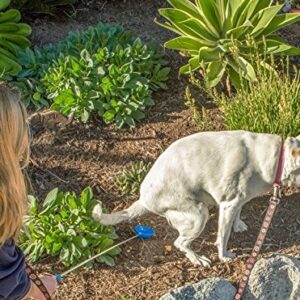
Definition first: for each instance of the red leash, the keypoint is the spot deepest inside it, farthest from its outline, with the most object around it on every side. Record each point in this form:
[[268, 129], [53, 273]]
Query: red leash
[[274, 201], [39, 283]]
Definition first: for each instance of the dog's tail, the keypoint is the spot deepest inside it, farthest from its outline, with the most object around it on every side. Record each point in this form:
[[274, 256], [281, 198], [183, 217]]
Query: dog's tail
[[135, 210]]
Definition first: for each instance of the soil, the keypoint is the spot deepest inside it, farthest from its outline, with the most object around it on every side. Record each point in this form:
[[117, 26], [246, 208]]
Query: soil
[[93, 154]]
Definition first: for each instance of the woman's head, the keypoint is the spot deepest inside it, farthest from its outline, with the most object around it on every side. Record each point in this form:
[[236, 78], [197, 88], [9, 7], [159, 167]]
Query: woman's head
[[14, 156]]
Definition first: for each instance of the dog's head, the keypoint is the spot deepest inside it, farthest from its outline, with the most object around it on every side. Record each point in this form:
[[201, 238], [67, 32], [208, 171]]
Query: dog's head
[[291, 176]]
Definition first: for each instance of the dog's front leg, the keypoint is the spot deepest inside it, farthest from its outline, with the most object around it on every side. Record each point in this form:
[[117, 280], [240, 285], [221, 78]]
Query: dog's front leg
[[227, 214]]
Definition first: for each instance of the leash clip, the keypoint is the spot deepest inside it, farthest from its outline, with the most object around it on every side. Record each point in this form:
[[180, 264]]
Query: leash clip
[[276, 194]]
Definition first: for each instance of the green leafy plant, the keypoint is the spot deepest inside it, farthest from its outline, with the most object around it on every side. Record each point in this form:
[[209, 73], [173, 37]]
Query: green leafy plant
[[13, 36], [102, 70], [130, 180], [110, 83], [271, 105], [216, 35], [37, 61], [64, 227]]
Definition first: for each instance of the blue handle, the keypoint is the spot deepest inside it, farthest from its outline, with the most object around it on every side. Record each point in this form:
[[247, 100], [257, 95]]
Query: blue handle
[[58, 277], [144, 232]]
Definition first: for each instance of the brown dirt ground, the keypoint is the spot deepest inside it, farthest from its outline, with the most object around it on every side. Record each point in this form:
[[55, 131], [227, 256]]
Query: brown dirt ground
[[94, 154]]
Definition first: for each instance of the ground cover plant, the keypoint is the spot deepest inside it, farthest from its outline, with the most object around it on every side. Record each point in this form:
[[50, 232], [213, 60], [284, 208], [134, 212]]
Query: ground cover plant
[[215, 35], [13, 36], [270, 105], [130, 179], [103, 70], [64, 227]]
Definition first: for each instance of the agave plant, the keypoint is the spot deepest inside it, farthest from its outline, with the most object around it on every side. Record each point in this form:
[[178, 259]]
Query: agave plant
[[220, 36], [13, 36]]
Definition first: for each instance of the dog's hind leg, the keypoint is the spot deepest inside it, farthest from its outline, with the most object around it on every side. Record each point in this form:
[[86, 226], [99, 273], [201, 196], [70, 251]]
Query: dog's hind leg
[[189, 224], [238, 224]]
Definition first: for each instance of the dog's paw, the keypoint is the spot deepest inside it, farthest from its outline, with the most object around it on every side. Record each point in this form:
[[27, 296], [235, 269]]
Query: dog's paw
[[200, 260], [97, 212], [227, 256], [240, 226]]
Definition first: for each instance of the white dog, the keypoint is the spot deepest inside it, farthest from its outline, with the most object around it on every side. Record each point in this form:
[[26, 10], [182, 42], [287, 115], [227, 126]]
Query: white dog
[[224, 169]]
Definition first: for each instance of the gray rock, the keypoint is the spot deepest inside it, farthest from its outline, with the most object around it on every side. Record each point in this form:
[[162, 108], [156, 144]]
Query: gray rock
[[207, 289], [276, 278]]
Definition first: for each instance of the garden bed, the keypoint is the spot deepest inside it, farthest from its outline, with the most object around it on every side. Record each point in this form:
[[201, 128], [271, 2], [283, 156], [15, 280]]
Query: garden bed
[[93, 154]]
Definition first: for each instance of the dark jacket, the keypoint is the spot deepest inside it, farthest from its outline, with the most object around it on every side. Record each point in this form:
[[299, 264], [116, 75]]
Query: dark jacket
[[14, 281]]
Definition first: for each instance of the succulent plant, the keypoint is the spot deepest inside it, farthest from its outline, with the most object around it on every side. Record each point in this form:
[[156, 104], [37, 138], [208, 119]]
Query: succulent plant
[[13, 36], [130, 180], [220, 35]]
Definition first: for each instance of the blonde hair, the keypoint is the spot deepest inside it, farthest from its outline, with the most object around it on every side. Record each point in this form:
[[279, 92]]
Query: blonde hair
[[14, 156]]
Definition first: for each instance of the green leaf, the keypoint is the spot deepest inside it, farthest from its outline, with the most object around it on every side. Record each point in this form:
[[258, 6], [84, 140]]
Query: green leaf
[[235, 5], [65, 97], [109, 115], [85, 116], [106, 243], [191, 66], [209, 55], [187, 6], [49, 239], [138, 115], [280, 21], [237, 11], [36, 96], [33, 205], [209, 9], [274, 45], [114, 251], [72, 202], [108, 260], [64, 255], [163, 73], [4, 4], [184, 23], [86, 197], [56, 247], [235, 78], [149, 101], [238, 31], [243, 67], [51, 198], [184, 43], [129, 121], [267, 15], [71, 232], [215, 72]]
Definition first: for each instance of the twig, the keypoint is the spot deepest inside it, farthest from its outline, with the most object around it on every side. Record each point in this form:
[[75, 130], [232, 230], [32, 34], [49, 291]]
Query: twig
[[48, 171]]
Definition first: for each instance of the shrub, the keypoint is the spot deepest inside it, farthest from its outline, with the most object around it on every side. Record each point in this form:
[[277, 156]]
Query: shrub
[[130, 180], [271, 105], [101, 70], [215, 34], [64, 227], [13, 36]]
